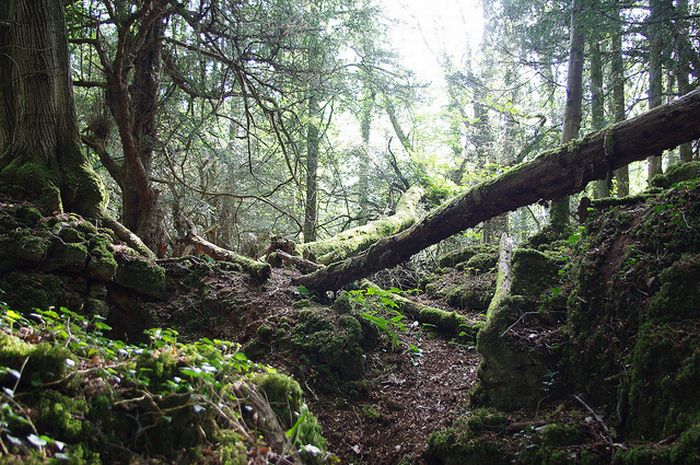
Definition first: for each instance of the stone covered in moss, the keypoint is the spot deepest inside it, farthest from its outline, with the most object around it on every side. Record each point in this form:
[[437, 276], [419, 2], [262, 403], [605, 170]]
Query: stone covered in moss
[[462, 255], [141, 275], [29, 290], [332, 343]]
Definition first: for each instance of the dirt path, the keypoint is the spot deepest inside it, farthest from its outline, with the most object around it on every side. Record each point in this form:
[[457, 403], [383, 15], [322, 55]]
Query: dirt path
[[409, 397]]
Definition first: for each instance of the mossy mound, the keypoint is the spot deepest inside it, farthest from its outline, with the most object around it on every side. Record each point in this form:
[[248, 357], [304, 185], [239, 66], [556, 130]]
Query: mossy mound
[[464, 254], [489, 436], [65, 261], [519, 343], [677, 173], [633, 317], [80, 398]]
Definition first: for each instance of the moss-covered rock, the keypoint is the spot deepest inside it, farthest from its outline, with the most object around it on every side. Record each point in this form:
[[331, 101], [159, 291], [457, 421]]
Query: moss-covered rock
[[677, 173], [140, 274], [331, 343], [28, 290]]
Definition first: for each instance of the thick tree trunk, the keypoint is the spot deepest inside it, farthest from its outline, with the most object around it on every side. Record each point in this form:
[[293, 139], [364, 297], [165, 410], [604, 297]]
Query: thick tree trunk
[[40, 152], [681, 32], [559, 213], [353, 241], [553, 174], [365, 128], [617, 104]]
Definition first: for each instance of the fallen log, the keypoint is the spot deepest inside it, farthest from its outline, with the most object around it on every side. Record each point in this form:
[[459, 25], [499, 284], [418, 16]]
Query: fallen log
[[444, 321], [257, 270], [352, 241], [280, 257], [553, 174]]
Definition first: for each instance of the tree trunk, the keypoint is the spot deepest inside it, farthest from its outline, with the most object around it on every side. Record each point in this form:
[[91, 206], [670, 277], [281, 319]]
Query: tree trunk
[[553, 174], [312, 141], [365, 127], [598, 106], [656, 48], [681, 32], [559, 213], [618, 110], [40, 153]]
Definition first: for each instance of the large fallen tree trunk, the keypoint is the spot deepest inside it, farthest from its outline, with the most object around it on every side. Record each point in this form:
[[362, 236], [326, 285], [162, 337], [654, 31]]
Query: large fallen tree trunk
[[352, 241], [553, 174]]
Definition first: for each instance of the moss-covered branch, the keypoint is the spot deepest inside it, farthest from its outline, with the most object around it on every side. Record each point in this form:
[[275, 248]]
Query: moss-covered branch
[[355, 240], [258, 270]]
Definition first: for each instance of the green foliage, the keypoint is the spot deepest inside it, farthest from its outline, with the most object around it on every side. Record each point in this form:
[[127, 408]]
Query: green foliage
[[378, 307], [70, 393]]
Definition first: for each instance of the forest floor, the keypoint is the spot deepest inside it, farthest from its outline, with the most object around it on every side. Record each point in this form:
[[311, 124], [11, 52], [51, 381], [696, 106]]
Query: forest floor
[[387, 415]]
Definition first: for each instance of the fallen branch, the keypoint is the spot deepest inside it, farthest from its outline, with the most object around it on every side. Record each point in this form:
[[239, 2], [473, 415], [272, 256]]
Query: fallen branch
[[352, 241], [131, 239], [450, 323], [562, 171], [258, 270], [279, 257]]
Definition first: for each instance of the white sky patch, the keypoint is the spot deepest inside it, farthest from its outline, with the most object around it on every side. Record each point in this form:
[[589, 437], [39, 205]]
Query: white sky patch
[[427, 30]]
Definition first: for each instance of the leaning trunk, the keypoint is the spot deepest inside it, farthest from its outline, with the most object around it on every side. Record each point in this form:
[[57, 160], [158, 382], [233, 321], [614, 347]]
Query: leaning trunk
[[40, 154], [553, 174]]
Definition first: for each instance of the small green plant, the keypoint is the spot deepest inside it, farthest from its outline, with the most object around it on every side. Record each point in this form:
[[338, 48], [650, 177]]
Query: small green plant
[[379, 307]]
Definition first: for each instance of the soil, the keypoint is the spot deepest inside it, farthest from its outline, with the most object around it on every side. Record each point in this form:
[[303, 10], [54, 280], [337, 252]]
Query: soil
[[404, 396]]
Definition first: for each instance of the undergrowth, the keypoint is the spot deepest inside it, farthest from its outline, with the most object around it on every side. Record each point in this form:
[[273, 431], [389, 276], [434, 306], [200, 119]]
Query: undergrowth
[[72, 395]]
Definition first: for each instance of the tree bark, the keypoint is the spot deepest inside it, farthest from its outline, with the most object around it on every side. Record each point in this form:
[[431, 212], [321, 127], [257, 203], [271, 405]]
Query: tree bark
[[559, 212], [656, 48], [40, 153], [681, 32], [598, 106], [553, 174], [365, 128]]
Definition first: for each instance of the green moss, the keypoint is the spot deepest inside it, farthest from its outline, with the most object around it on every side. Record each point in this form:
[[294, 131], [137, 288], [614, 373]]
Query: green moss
[[102, 265], [284, 395], [561, 435], [487, 419], [29, 290], [62, 417], [482, 262], [37, 364], [333, 344], [534, 271], [141, 275], [460, 446], [450, 259], [679, 296], [27, 180], [677, 173], [66, 257]]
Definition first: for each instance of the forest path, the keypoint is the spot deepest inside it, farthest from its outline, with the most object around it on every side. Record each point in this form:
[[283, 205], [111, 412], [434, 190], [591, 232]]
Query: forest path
[[408, 398]]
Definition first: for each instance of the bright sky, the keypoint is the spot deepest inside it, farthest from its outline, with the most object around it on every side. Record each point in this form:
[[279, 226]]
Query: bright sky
[[425, 30]]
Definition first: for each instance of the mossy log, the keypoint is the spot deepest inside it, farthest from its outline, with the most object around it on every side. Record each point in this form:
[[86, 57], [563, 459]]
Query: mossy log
[[258, 270], [444, 321], [355, 240], [551, 175]]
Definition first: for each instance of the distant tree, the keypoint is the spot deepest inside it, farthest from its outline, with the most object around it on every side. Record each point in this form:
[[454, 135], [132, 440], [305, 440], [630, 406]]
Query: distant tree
[[559, 212]]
